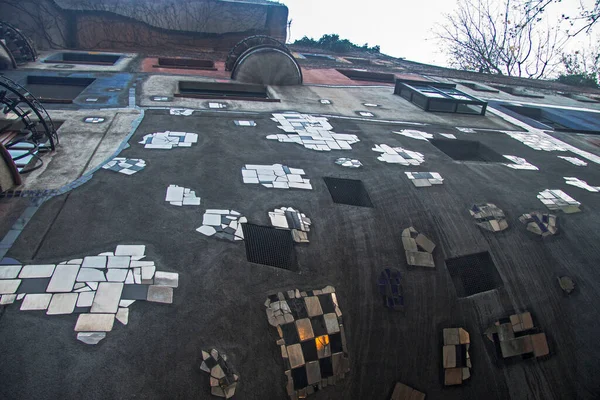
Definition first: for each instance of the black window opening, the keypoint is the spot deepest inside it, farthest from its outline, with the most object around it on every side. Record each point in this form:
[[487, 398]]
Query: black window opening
[[83, 58], [473, 274], [185, 63], [358, 75], [348, 191], [270, 246], [467, 150], [231, 91], [440, 99], [56, 89], [559, 119]]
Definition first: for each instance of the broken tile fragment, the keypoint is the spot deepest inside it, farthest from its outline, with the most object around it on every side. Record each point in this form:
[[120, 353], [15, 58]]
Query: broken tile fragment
[[398, 155], [223, 224], [411, 133], [574, 161], [91, 337], [520, 163], [223, 380], [418, 248], [581, 184], [290, 218]]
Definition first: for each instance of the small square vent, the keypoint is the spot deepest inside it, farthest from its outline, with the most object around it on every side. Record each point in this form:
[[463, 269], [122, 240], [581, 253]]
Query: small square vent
[[270, 246], [474, 273], [348, 191], [467, 150]]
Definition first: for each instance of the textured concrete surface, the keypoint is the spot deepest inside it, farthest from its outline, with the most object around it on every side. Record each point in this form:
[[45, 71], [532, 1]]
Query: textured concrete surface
[[220, 299]]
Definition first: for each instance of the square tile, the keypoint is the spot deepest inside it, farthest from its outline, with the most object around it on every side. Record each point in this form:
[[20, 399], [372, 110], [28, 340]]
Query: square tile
[[160, 294], [95, 323], [313, 306], [9, 271], [94, 262], [37, 271], [331, 322], [62, 303], [85, 299], [118, 261], [170, 279], [296, 356], [36, 302], [9, 286], [313, 372], [304, 328], [107, 297]]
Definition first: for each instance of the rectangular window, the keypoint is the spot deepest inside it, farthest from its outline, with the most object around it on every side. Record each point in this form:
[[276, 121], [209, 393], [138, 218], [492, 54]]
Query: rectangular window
[[360, 75], [225, 91], [185, 63], [440, 97]]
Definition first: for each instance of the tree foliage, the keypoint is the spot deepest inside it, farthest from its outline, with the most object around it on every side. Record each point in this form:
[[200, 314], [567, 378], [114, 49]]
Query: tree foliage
[[582, 20], [332, 42], [581, 68]]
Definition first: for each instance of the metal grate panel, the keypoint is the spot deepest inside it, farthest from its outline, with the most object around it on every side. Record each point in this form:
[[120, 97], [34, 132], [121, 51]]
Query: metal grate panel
[[270, 246]]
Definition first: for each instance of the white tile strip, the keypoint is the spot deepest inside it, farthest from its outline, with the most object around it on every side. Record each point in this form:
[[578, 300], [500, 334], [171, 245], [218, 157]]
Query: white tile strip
[[520, 163], [411, 133], [581, 184], [574, 161]]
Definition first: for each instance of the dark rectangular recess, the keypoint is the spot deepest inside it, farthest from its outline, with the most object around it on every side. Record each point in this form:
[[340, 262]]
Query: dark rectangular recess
[[185, 63], [369, 76], [270, 246], [56, 89], [517, 91], [473, 273], [479, 88], [467, 150], [348, 191], [439, 97], [215, 90], [83, 58]]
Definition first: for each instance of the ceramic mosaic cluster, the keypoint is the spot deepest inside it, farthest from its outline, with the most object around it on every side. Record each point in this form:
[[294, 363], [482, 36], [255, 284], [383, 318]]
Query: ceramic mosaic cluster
[[520, 163], [574, 161], [581, 184], [456, 358], [314, 133], [556, 199], [517, 336], [489, 217], [223, 381], [181, 196], [169, 140], [185, 112], [97, 288], [398, 155], [419, 135], [417, 248], [290, 218], [275, 176], [127, 166], [348, 162], [311, 338], [425, 179], [223, 224], [245, 123], [538, 141], [390, 288], [542, 224]]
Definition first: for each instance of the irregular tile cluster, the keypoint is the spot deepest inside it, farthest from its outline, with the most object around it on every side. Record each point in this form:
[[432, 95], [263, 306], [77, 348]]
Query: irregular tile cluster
[[223, 224], [566, 284], [245, 123], [556, 199], [425, 179], [311, 337], [411, 133], [98, 288], [520, 163], [540, 223], [390, 288], [456, 358], [348, 162], [489, 216], [574, 161], [289, 218], [418, 248], [169, 140], [538, 141], [312, 132], [518, 337], [581, 184], [275, 176], [223, 381], [404, 392], [398, 155], [127, 166], [181, 196], [181, 111]]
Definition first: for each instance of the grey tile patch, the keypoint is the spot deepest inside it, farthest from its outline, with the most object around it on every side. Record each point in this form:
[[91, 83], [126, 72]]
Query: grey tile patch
[[425, 179], [185, 112], [223, 380], [127, 166], [80, 285], [244, 123], [314, 133], [290, 218], [574, 161], [311, 336], [275, 176], [348, 163], [542, 224], [414, 134], [581, 184], [489, 217], [520, 163], [181, 196], [169, 140], [418, 248], [556, 199], [398, 155], [223, 224]]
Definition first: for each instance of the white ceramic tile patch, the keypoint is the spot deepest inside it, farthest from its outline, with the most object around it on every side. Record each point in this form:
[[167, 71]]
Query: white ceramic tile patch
[[223, 224], [290, 218], [581, 184], [181, 196], [574, 161], [398, 155], [181, 111], [275, 176], [425, 179], [169, 140], [127, 166], [348, 162], [520, 163], [411, 133], [556, 199]]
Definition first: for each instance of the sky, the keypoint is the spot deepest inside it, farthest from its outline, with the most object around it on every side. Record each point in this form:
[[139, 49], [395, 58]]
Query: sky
[[403, 28]]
